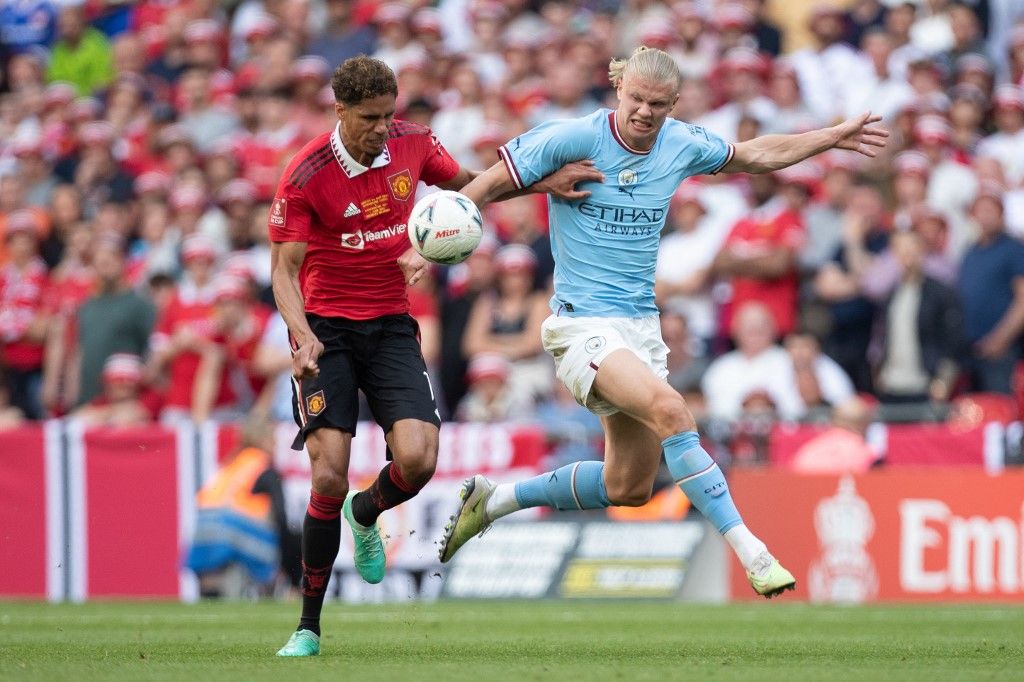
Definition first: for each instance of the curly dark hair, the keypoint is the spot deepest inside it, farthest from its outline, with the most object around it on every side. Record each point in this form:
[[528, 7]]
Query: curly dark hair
[[361, 78]]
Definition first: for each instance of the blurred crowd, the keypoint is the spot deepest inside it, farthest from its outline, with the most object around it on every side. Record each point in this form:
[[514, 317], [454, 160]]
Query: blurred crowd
[[140, 146]]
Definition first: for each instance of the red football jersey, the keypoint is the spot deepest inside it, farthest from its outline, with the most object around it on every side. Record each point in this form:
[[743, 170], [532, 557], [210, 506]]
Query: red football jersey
[[354, 218], [198, 316], [757, 234]]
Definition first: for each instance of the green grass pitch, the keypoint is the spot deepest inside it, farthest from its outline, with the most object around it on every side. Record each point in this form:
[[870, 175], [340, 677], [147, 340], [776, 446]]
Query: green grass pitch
[[485, 641]]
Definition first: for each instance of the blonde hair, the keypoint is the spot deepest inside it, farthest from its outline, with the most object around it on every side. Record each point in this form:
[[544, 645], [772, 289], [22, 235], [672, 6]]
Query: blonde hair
[[646, 62]]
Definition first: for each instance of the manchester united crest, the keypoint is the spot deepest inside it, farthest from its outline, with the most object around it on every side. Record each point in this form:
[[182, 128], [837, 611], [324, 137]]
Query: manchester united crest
[[315, 403], [400, 185]]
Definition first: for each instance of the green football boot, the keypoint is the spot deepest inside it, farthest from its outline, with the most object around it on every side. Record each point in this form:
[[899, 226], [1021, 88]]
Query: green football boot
[[768, 577], [471, 519], [301, 643], [369, 550]]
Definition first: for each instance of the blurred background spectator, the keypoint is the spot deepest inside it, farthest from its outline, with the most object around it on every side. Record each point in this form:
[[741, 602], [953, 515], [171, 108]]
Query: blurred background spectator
[[141, 142]]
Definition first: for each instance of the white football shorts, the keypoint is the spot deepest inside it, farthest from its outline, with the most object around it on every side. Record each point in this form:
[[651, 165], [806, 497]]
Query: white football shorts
[[580, 344]]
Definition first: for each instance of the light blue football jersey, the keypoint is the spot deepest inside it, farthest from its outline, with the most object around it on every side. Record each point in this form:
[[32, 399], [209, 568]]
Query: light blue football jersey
[[605, 247]]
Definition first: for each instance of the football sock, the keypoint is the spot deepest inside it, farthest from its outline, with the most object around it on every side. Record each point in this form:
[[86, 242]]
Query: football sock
[[574, 486], [389, 490], [321, 537], [502, 501], [700, 478], [745, 544]]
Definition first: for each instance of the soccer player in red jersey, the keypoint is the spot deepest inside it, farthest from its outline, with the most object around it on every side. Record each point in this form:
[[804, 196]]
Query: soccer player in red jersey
[[340, 261]]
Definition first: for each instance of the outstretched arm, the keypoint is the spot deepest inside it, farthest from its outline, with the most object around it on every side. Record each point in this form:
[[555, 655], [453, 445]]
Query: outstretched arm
[[561, 184], [773, 152]]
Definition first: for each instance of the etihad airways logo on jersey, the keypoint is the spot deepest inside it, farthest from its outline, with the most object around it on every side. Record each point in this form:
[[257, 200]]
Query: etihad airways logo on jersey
[[358, 240], [623, 215]]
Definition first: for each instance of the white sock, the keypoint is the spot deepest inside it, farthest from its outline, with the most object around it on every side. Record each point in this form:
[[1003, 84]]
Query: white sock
[[745, 544], [502, 501]]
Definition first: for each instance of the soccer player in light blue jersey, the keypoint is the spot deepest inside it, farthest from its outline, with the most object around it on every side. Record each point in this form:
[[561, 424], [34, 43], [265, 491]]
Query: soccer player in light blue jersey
[[603, 331]]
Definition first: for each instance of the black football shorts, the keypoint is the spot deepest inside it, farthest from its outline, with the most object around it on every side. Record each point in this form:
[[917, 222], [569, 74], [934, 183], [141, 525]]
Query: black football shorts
[[382, 358]]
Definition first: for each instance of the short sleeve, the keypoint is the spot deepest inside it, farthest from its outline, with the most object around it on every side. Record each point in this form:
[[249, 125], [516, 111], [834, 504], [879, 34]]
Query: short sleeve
[[544, 149], [438, 164], [290, 215], [704, 152]]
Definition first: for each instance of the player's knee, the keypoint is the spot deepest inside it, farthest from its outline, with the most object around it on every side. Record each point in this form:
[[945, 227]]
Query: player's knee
[[669, 415], [625, 495], [418, 472], [327, 481]]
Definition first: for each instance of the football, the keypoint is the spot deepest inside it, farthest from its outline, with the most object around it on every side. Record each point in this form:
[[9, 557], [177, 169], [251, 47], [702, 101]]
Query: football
[[445, 227]]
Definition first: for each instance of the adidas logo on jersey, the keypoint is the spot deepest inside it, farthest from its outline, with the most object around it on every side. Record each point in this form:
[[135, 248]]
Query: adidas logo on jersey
[[351, 210]]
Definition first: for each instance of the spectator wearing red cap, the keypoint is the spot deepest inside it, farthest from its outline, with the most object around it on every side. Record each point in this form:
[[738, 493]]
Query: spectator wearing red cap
[[491, 399], [759, 256], [203, 121], [507, 320], [1007, 143], [991, 286], [683, 274], [122, 402], [115, 319], [828, 68], [342, 35], [81, 55], [23, 320]]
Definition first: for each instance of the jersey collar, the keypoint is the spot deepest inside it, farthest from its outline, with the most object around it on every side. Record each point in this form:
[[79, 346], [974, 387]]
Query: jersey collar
[[352, 167], [614, 125]]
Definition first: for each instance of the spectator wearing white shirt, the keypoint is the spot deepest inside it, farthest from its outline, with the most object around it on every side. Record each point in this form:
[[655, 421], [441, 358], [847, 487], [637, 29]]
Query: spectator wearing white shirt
[[461, 118], [884, 93], [951, 185], [791, 114], [743, 72], [759, 367], [827, 70], [682, 278], [1007, 143]]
